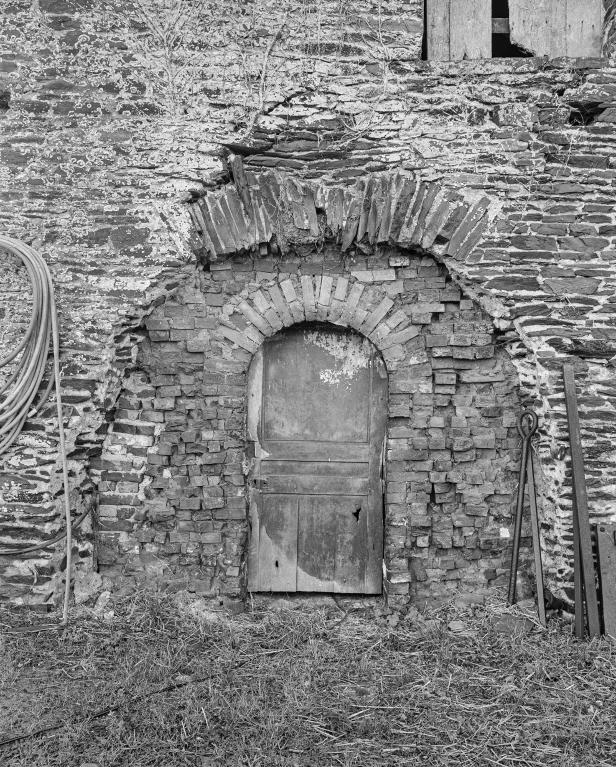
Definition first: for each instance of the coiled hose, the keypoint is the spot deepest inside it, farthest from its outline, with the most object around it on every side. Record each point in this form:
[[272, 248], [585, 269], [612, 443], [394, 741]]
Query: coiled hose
[[18, 393]]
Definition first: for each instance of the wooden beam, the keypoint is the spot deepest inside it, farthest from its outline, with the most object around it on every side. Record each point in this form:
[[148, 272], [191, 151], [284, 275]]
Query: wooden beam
[[578, 577], [470, 29], [500, 26], [581, 502]]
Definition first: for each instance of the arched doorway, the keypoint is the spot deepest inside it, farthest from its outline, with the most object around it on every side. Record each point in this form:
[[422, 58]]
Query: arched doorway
[[317, 412]]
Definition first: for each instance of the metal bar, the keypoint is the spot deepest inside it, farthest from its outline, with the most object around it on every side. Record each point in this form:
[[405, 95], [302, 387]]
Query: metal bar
[[581, 502], [578, 580], [517, 529], [534, 518], [500, 26]]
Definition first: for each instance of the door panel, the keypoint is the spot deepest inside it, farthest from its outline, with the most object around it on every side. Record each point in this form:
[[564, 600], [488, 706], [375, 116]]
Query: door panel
[[277, 548], [312, 484], [317, 413], [314, 468], [309, 387], [319, 451], [316, 546], [331, 544], [351, 546]]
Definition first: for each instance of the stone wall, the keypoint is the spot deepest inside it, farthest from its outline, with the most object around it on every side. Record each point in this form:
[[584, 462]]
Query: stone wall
[[171, 476], [111, 122]]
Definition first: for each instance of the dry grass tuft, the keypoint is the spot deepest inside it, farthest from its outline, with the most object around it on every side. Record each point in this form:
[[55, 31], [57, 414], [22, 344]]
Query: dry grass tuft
[[302, 687]]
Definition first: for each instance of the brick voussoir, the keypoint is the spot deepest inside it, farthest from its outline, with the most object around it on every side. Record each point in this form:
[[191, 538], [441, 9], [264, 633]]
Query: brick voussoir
[[365, 202], [400, 208], [468, 225], [223, 224], [440, 213], [423, 214], [310, 308], [282, 307], [254, 317], [201, 213], [376, 316], [207, 204], [240, 218], [262, 230], [351, 220], [236, 233]]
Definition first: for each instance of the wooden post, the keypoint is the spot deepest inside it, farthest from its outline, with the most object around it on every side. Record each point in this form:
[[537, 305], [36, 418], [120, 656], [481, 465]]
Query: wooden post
[[578, 580], [606, 540], [580, 516], [534, 519]]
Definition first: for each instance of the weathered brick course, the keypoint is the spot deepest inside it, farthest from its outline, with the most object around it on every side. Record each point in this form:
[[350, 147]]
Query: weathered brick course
[[435, 508]]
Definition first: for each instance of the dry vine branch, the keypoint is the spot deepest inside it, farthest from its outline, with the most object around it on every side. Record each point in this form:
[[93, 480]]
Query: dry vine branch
[[262, 80], [165, 23]]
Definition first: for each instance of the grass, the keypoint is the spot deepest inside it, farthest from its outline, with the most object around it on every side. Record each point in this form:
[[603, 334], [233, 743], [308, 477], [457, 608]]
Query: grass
[[299, 687]]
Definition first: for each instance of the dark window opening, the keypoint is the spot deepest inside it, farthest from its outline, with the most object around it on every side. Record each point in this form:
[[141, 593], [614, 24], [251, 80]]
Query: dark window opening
[[502, 47]]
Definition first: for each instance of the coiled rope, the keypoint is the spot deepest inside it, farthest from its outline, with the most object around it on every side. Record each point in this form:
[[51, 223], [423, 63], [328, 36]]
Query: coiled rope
[[19, 391]]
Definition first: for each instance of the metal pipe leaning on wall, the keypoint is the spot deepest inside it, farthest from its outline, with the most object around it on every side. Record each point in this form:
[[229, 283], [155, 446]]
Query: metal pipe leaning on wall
[[527, 426], [18, 393]]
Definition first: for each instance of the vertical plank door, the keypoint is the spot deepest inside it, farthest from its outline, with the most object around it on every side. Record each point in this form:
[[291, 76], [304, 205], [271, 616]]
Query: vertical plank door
[[584, 28], [437, 29], [470, 29], [539, 26], [317, 415]]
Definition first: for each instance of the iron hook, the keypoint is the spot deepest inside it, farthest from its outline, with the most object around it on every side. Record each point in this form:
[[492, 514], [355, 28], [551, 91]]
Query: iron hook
[[527, 424]]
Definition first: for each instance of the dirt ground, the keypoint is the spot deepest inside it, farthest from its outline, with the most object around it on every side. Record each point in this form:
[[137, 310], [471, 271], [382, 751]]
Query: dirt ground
[[164, 680]]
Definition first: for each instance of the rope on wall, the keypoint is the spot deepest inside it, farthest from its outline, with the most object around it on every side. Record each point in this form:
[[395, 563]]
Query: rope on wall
[[19, 391]]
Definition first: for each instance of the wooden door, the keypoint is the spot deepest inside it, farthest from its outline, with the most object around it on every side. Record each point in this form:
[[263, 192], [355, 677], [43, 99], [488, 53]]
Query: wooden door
[[557, 27], [316, 421], [458, 29]]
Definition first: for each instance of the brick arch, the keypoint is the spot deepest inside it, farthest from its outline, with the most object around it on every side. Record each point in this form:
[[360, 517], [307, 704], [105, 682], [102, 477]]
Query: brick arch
[[347, 301], [269, 211], [172, 496]]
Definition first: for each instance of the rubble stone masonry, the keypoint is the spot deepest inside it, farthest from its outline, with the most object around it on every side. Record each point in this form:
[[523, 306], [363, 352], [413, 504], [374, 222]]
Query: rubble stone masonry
[[123, 139]]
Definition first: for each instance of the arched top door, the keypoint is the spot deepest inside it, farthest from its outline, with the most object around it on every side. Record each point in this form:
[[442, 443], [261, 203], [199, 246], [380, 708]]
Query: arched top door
[[316, 421]]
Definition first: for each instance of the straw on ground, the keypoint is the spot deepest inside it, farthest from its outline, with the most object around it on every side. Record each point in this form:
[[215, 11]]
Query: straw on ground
[[300, 687]]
